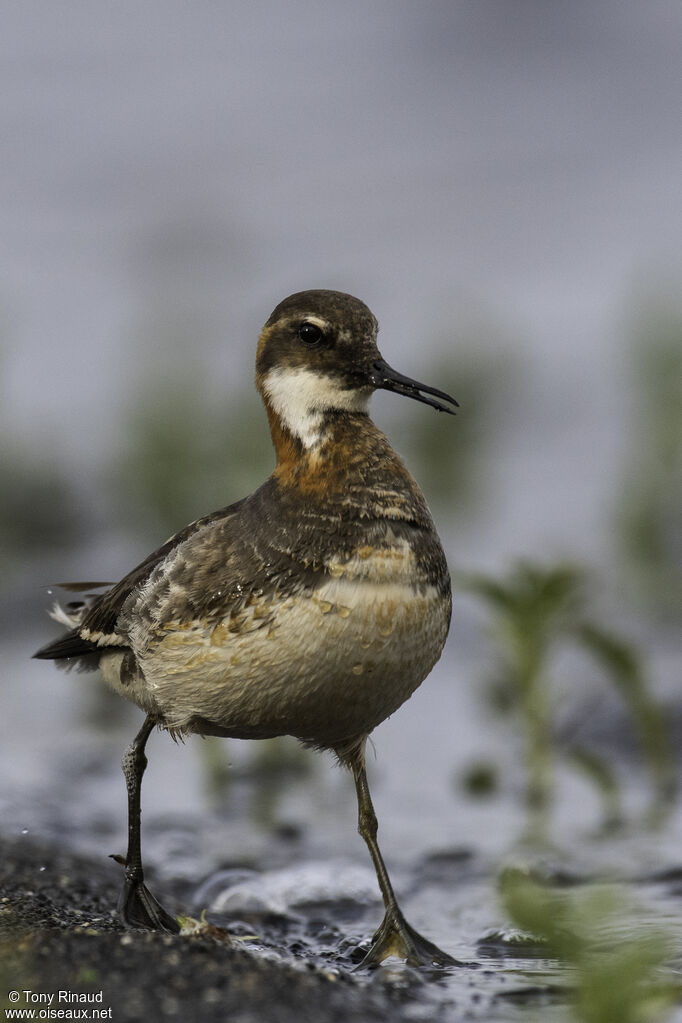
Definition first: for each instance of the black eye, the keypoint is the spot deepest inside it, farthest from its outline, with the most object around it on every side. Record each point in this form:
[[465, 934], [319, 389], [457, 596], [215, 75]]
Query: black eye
[[310, 334]]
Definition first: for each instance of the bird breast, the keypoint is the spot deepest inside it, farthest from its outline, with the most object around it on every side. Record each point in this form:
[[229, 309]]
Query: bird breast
[[324, 663]]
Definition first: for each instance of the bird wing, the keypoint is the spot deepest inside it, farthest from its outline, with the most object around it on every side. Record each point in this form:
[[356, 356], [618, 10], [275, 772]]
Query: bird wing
[[95, 621]]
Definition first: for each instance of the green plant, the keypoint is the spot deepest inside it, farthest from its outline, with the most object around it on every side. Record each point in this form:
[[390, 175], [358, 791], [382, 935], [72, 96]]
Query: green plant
[[187, 453], [650, 501], [616, 962], [452, 464], [534, 610]]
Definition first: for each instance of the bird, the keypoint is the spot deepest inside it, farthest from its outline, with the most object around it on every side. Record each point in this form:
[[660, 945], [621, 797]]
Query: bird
[[312, 608]]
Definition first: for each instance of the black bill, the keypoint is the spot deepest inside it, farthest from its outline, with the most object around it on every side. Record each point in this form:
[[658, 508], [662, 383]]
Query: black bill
[[384, 376]]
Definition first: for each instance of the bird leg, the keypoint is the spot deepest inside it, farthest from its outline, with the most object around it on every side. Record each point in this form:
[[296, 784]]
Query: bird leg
[[136, 905], [395, 937]]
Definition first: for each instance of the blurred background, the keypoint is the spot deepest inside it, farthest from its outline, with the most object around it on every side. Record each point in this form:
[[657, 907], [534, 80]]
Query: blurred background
[[500, 182]]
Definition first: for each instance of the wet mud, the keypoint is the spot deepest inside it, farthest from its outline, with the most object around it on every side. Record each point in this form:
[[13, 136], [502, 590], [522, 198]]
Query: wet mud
[[58, 932], [243, 960]]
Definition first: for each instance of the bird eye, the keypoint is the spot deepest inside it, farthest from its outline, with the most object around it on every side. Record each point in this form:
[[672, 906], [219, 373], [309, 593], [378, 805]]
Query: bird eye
[[310, 334]]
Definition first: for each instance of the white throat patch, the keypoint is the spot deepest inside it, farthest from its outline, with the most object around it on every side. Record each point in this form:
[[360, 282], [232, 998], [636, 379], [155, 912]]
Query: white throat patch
[[300, 397]]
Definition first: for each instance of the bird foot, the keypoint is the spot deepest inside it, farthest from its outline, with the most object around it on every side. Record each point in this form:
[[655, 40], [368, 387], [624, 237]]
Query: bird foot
[[396, 937], [137, 907]]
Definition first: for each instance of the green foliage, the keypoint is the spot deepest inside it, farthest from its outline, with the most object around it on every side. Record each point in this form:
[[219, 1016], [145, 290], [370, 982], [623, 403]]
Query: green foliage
[[272, 767], [616, 962], [533, 611], [38, 510], [215, 764], [621, 662], [449, 459], [187, 454], [650, 506], [481, 780], [530, 610], [603, 778], [277, 763]]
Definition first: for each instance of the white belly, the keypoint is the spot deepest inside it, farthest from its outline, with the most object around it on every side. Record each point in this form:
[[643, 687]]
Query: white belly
[[325, 666]]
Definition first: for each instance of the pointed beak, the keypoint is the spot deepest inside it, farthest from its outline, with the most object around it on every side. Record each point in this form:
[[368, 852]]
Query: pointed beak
[[384, 376]]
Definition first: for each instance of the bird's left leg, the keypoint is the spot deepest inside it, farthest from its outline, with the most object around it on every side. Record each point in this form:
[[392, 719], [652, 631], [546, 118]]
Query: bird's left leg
[[395, 936]]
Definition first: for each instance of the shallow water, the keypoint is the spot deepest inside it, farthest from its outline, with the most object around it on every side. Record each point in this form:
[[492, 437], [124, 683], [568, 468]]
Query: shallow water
[[263, 837]]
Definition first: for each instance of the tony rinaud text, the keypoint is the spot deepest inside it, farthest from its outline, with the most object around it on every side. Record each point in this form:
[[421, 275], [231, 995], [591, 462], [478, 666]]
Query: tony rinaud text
[[50, 997]]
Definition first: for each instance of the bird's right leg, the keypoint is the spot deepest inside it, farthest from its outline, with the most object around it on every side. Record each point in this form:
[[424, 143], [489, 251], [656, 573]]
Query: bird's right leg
[[136, 905]]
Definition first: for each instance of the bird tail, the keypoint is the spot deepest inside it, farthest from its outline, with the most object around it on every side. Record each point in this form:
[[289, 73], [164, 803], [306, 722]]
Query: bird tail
[[71, 648]]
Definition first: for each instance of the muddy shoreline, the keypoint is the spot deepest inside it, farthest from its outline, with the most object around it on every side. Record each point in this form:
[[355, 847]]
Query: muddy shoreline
[[58, 933]]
